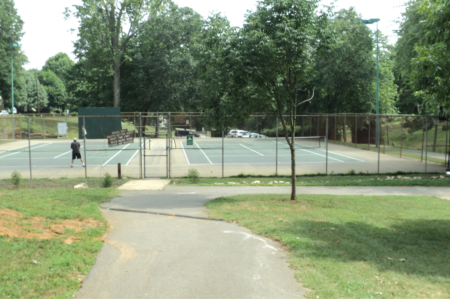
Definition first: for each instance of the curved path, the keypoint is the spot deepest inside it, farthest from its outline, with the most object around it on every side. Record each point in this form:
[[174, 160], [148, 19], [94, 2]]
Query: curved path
[[147, 255]]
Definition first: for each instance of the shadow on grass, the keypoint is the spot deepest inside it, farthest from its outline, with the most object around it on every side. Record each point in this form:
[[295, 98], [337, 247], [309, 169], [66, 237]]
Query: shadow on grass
[[417, 247]]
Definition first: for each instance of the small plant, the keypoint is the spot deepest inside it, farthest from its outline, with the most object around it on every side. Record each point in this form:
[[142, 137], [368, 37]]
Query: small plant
[[351, 172], [107, 181], [16, 179], [193, 175]]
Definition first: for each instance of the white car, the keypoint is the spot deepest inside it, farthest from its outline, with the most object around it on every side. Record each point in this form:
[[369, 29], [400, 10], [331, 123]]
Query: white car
[[4, 112], [245, 135], [254, 135], [236, 133]]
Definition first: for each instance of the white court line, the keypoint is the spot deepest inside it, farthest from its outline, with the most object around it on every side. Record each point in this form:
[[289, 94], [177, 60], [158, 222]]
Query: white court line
[[116, 154], [318, 154], [251, 150], [134, 154], [17, 148], [64, 154], [26, 150], [181, 142], [9, 155], [343, 156], [203, 152]]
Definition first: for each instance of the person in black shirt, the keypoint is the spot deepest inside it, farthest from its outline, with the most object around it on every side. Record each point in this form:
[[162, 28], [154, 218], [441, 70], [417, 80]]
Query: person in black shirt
[[75, 146]]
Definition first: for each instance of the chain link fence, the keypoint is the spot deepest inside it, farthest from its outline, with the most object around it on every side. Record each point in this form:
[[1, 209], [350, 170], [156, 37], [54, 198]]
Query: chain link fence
[[170, 144]]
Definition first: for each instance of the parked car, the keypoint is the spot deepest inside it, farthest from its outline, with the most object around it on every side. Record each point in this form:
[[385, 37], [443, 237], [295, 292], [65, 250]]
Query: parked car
[[254, 135], [181, 133], [245, 135], [236, 133], [4, 112], [262, 136]]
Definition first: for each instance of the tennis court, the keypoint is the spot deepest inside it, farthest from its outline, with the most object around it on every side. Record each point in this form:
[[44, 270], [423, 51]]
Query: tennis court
[[309, 150], [53, 158]]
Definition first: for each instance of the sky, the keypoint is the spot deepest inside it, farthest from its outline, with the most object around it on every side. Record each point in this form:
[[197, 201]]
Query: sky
[[47, 32]]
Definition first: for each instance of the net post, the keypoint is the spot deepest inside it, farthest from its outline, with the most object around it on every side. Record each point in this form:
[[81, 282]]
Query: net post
[[326, 147], [140, 145], [85, 157], [426, 143], [29, 148], [276, 150]]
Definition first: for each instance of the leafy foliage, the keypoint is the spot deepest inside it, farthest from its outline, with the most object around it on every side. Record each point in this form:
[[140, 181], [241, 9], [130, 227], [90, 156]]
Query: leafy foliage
[[16, 179]]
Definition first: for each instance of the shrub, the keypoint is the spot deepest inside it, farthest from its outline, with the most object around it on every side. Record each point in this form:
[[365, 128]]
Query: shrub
[[107, 181], [193, 175], [351, 172], [16, 179]]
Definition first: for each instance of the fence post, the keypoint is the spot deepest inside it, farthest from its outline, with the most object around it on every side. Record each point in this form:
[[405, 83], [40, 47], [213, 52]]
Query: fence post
[[426, 143], [446, 144], [276, 151], [223, 153], [401, 136], [43, 126], [20, 125], [29, 148], [318, 126], [4, 127], [385, 135], [85, 157], [326, 146], [335, 127], [140, 144], [170, 145], [368, 140], [356, 130], [377, 141], [423, 134], [345, 129]]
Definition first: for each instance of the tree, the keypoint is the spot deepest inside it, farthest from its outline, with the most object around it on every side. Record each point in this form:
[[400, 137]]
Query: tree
[[410, 33], [430, 68], [10, 32], [345, 75], [56, 91], [161, 75], [102, 38], [29, 92], [270, 63], [60, 65]]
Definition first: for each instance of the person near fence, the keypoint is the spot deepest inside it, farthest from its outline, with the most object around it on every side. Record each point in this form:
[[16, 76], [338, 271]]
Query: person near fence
[[75, 146]]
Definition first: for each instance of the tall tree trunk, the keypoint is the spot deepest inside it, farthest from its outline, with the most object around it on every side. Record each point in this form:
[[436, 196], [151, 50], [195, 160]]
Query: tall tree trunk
[[116, 84]]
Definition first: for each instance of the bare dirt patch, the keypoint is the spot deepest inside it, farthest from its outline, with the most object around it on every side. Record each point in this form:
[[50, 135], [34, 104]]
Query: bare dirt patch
[[15, 224]]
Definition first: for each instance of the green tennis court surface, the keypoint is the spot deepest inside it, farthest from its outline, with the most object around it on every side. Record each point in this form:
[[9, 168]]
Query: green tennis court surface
[[54, 154], [260, 151]]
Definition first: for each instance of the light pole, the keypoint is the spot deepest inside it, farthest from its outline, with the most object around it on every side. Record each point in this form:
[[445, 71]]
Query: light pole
[[371, 21], [12, 86]]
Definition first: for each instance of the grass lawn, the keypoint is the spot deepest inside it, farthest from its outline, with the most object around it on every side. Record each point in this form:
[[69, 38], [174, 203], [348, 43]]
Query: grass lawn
[[321, 180], [49, 237], [354, 246]]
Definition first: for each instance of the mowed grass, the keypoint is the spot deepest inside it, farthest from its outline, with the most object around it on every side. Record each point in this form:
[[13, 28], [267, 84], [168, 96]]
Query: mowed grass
[[354, 246], [52, 267]]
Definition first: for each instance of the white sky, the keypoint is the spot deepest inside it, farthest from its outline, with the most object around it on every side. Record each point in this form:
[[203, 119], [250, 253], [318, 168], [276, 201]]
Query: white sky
[[47, 33]]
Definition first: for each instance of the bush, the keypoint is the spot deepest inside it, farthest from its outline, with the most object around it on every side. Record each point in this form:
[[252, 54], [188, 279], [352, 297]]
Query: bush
[[193, 175], [16, 179], [351, 172], [107, 181]]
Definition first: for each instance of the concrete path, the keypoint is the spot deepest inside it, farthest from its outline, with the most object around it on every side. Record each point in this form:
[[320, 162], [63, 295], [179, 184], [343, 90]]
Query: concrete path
[[146, 255]]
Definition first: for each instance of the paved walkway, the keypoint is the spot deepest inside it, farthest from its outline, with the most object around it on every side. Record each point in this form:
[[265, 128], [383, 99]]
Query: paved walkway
[[147, 255]]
